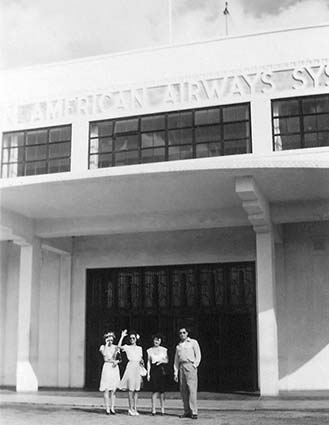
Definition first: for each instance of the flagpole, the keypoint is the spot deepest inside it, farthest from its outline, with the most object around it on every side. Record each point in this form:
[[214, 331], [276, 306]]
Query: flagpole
[[226, 13], [170, 20]]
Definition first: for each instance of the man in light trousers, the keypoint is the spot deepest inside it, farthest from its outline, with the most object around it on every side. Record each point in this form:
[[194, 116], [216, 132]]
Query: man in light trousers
[[187, 360]]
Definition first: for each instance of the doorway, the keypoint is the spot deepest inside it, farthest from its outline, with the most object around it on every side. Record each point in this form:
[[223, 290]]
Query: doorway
[[217, 302]]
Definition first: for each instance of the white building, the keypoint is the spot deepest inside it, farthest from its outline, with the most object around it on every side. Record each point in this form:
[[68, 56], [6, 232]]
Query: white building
[[183, 185]]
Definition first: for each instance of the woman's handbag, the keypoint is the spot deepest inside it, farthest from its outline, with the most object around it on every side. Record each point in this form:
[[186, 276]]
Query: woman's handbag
[[143, 371], [164, 369]]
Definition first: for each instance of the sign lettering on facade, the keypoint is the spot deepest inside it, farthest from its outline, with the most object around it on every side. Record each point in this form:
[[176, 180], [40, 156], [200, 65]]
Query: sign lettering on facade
[[173, 95]]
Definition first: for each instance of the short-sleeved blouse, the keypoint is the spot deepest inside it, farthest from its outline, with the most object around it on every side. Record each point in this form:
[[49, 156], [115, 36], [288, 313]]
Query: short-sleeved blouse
[[108, 352], [134, 352], [160, 354]]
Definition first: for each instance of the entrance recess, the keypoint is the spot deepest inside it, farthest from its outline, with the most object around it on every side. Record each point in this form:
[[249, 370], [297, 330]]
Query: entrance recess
[[216, 301]]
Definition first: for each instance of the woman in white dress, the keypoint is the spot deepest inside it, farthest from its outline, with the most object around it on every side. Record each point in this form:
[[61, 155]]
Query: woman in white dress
[[132, 378], [110, 377], [157, 362]]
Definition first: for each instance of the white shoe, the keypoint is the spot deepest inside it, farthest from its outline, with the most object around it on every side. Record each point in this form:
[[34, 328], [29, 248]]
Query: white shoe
[[131, 412], [136, 413]]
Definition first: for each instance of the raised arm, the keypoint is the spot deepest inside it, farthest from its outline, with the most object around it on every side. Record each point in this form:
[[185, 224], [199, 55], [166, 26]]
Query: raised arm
[[124, 333]]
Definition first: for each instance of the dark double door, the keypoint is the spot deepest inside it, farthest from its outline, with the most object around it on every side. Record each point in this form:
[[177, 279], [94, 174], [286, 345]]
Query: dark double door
[[215, 301]]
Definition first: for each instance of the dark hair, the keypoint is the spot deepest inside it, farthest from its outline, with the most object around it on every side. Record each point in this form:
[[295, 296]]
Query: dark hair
[[184, 327], [107, 334], [157, 336]]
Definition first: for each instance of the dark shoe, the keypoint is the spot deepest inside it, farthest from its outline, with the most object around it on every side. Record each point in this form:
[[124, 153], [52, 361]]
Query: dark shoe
[[194, 416], [112, 411], [185, 415], [153, 413]]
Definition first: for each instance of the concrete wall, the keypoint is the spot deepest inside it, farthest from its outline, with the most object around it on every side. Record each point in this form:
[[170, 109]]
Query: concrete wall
[[303, 307]]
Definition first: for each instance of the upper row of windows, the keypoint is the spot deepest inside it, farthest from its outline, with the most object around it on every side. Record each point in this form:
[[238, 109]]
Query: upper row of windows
[[216, 131]]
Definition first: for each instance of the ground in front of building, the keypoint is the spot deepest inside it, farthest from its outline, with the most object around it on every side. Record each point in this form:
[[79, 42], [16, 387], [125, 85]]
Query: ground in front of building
[[57, 415]]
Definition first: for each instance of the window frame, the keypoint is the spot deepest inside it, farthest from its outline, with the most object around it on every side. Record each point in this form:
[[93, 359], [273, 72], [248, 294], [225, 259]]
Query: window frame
[[222, 140], [47, 160], [301, 115]]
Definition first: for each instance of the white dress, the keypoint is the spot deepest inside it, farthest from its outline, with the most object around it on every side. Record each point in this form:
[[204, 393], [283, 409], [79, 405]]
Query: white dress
[[132, 379], [110, 377]]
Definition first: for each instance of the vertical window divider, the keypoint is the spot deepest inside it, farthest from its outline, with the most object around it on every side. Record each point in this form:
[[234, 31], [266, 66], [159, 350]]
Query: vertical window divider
[[166, 129], [193, 135], [222, 129], [301, 123]]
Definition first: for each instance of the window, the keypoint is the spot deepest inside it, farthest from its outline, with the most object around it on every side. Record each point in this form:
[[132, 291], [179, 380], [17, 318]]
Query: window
[[215, 131], [300, 122], [40, 151]]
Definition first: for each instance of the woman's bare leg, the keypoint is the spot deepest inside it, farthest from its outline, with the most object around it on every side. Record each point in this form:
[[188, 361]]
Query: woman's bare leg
[[162, 402], [107, 401], [112, 400], [135, 400], [131, 400], [154, 398]]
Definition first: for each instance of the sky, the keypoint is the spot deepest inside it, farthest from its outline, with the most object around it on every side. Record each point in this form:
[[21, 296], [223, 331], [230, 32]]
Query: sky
[[43, 31]]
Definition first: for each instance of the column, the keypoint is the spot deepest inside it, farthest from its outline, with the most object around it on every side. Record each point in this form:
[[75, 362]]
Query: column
[[26, 378], [266, 316], [257, 208]]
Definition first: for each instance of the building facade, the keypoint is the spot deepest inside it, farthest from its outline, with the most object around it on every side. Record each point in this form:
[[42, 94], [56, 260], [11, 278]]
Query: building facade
[[186, 185]]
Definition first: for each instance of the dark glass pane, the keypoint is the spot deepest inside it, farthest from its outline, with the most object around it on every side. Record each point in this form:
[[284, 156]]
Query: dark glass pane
[[153, 155], [154, 122], [36, 137], [13, 139], [286, 125], [179, 137], [123, 143], [235, 113], [207, 134], [126, 158], [33, 168], [322, 104], [60, 134], [101, 145], [153, 139], [236, 131], [105, 160], [33, 153], [125, 126], [180, 152], [100, 129], [208, 149], [59, 165], [323, 122], [311, 140], [309, 105], [287, 142], [180, 119], [323, 139], [59, 150], [235, 147], [310, 123], [285, 107], [207, 116]]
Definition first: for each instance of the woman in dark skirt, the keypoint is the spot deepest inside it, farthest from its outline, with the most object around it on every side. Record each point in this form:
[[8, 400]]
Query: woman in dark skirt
[[157, 362]]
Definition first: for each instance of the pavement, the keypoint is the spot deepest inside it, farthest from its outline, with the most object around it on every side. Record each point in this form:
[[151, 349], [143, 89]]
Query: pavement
[[297, 401]]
